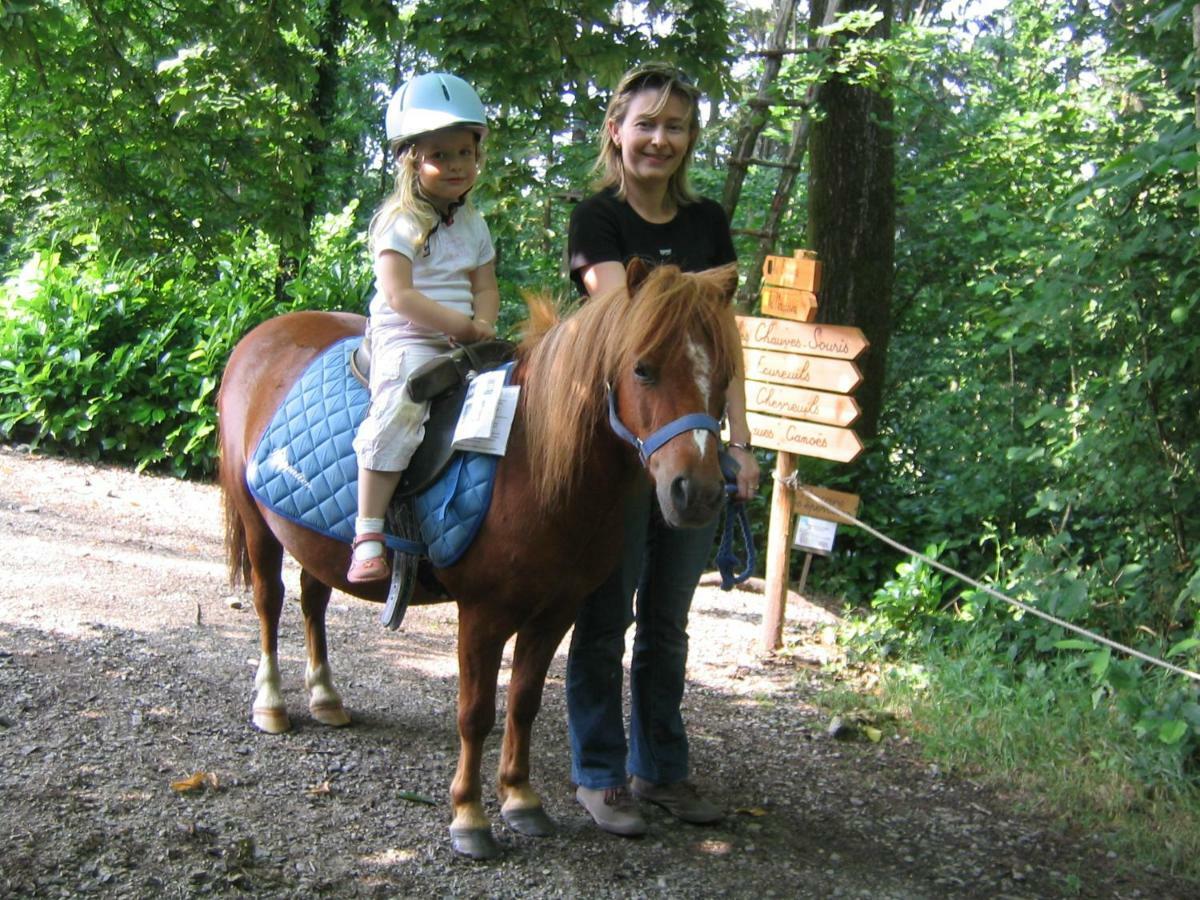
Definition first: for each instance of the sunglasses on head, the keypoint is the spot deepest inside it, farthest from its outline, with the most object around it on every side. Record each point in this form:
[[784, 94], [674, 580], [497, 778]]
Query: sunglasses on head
[[656, 72]]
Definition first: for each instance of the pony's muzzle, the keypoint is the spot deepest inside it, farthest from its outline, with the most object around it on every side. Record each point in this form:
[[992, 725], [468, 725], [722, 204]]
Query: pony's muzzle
[[692, 501]]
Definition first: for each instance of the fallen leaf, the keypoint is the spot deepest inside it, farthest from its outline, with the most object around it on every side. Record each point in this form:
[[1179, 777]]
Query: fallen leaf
[[319, 790], [196, 782], [755, 811], [873, 733], [413, 797]]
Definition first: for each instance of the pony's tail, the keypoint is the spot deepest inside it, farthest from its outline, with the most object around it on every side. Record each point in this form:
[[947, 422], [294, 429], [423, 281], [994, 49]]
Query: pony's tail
[[237, 557]]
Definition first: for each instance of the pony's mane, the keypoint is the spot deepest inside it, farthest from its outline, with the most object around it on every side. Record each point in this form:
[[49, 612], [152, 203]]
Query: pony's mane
[[572, 360]]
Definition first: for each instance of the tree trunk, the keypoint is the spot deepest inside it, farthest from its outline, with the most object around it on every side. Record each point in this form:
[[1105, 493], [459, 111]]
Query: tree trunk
[[851, 208]]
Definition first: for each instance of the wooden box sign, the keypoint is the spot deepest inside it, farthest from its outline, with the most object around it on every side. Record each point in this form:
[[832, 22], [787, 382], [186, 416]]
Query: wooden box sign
[[803, 438], [800, 272], [835, 341], [800, 403], [789, 303]]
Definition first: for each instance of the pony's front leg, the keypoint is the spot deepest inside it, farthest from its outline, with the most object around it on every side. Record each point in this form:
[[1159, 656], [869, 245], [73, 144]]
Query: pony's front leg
[[479, 653], [521, 805], [324, 702]]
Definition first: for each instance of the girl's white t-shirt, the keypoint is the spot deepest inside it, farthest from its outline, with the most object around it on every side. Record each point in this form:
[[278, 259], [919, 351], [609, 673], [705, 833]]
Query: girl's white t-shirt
[[440, 267]]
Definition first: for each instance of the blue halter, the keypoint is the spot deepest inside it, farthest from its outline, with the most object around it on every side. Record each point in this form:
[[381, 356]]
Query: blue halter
[[646, 448]]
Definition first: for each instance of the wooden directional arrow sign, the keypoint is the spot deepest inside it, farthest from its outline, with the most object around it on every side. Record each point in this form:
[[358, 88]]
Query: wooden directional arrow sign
[[798, 403], [833, 341], [803, 438], [802, 371]]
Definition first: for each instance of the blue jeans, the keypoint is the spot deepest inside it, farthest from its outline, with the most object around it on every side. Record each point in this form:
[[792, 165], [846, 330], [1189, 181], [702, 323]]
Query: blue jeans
[[663, 565]]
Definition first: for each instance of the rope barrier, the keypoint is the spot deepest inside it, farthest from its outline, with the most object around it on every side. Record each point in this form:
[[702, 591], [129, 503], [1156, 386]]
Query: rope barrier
[[792, 482]]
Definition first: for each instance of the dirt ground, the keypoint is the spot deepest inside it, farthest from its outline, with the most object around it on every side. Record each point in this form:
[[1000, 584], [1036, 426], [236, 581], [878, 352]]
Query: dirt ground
[[126, 664]]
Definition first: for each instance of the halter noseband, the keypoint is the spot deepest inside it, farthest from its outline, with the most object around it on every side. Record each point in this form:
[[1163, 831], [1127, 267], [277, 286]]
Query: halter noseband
[[646, 448]]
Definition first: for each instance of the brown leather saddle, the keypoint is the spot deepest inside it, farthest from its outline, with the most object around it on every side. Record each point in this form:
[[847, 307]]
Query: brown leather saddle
[[443, 383]]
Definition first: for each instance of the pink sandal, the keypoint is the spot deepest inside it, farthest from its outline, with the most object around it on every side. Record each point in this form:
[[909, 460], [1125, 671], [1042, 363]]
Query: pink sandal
[[372, 568]]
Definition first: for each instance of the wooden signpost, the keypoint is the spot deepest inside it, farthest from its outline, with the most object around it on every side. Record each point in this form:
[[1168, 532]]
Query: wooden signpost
[[799, 375]]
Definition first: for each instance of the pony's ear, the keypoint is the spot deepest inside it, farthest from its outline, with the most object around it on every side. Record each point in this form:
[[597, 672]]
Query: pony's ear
[[636, 271], [726, 278]]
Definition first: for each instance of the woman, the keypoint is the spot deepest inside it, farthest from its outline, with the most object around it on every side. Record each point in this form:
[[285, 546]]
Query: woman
[[644, 208]]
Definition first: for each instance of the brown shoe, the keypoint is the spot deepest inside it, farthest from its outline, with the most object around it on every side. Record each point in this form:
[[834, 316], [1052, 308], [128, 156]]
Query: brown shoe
[[613, 809], [681, 800]]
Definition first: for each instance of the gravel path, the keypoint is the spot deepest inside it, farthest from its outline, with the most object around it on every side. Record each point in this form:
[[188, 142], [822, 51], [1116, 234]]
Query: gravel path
[[126, 665]]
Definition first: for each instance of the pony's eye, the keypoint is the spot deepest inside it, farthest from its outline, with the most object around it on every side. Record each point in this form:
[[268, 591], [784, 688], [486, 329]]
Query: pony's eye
[[643, 373]]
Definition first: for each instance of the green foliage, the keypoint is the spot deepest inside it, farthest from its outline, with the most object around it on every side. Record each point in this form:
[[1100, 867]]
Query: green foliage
[[119, 360], [1042, 413], [907, 612]]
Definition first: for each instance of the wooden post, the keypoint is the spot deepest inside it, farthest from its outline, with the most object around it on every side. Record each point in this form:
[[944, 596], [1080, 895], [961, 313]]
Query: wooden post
[[779, 546]]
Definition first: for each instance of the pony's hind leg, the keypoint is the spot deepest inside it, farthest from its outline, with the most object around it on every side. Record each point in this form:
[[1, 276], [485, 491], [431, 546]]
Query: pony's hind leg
[[521, 804], [324, 702], [268, 711]]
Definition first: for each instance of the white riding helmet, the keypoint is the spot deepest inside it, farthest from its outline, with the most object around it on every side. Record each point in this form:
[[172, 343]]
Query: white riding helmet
[[432, 102]]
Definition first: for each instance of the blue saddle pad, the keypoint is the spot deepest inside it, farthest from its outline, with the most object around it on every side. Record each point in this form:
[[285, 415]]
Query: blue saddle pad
[[305, 470]]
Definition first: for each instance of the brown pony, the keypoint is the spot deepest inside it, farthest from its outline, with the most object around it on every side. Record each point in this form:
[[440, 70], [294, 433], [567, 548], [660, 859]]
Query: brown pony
[[664, 349]]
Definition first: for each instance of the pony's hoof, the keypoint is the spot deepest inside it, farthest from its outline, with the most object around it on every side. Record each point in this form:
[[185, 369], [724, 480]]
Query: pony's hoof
[[531, 821], [334, 714], [474, 843], [271, 720]]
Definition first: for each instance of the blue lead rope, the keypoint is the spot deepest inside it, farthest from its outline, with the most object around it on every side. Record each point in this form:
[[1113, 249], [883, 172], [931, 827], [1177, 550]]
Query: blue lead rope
[[735, 517]]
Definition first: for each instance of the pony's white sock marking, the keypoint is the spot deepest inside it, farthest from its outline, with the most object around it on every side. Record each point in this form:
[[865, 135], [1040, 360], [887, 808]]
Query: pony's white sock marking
[[319, 682], [702, 370], [267, 681]]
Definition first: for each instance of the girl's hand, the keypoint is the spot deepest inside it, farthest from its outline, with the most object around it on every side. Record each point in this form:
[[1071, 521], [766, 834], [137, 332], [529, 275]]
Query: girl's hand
[[484, 330], [472, 331], [748, 474]]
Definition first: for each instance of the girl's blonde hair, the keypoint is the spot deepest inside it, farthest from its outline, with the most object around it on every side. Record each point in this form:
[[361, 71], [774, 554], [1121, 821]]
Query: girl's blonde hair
[[406, 198], [668, 81]]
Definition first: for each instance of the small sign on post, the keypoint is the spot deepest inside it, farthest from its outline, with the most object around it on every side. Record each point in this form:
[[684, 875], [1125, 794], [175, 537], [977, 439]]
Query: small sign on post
[[814, 535]]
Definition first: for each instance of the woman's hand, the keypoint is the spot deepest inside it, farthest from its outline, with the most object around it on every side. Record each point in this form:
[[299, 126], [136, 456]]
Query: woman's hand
[[748, 475]]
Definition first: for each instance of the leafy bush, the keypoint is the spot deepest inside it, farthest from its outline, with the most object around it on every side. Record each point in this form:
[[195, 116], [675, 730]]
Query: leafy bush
[[120, 360]]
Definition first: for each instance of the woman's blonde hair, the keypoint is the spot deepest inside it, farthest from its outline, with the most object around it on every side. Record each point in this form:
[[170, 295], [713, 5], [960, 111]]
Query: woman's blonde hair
[[406, 198], [668, 81]]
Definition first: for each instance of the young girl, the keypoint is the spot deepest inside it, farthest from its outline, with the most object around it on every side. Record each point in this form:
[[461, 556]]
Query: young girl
[[435, 285]]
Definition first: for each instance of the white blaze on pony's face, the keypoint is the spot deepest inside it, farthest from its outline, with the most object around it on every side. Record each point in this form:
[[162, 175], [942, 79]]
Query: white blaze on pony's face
[[702, 369]]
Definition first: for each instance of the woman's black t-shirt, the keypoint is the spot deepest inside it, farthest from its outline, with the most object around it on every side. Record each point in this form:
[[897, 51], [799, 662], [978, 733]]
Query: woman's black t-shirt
[[605, 229]]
